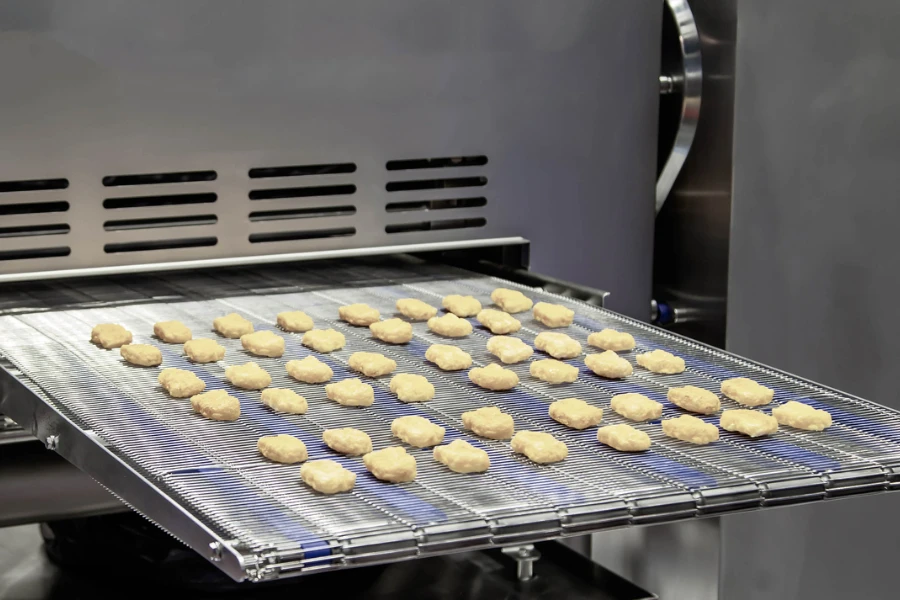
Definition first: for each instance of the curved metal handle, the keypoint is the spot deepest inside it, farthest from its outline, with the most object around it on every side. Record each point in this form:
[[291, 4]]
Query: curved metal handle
[[690, 82]]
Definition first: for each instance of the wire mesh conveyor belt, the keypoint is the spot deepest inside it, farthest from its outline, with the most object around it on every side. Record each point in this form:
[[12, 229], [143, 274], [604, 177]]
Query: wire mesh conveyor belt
[[192, 475]]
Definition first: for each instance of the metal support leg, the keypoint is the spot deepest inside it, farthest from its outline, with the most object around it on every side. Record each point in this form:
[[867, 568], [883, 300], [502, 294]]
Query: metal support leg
[[525, 557]]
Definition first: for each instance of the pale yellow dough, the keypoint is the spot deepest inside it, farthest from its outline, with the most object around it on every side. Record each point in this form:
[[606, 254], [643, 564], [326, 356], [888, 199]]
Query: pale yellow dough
[[494, 377], [172, 332], [748, 422], [284, 400], [450, 325], [203, 350], [610, 339], [323, 340], [557, 345], [511, 301], [448, 358], [350, 392], [461, 306], [575, 413], [295, 321], [553, 315], [180, 383], [263, 343], [392, 331], [248, 376], [282, 449], [802, 416], [498, 321], [371, 364], [391, 464], [412, 388], [217, 405], [747, 392], [327, 476], [608, 364], [509, 350], [690, 429], [462, 457], [232, 325], [110, 335], [660, 361], [142, 355], [489, 422], [694, 399], [349, 441], [553, 371], [623, 438], [361, 315], [417, 431], [636, 407], [309, 370], [540, 447], [415, 309]]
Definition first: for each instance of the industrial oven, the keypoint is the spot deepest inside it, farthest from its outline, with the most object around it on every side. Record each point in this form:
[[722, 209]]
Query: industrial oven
[[183, 160]]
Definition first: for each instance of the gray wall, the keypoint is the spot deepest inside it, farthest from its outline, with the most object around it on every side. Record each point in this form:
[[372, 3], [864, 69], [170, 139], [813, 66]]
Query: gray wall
[[814, 265]]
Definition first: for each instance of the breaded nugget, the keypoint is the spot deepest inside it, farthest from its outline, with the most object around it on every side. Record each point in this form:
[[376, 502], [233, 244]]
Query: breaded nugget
[[309, 370], [217, 405], [660, 361], [371, 364], [489, 422], [323, 340], [498, 321], [461, 306], [553, 315], [694, 399], [248, 376], [448, 358], [295, 321], [415, 309], [412, 388], [263, 343], [327, 476], [747, 392], [180, 383], [361, 315], [511, 301], [349, 441], [636, 407], [450, 325], [391, 464], [142, 355], [690, 429], [110, 335], [282, 448], [284, 400], [575, 413], [232, 325], [610, 339], [749, 422], [608, 364], [540, 447], [801, 416], [392, 331], [462, 457], [172, 332], [557, 345], [508, 349], [202, 350], [350, 392], [553, 371], [494, 377], [623, 438], [417, 431]]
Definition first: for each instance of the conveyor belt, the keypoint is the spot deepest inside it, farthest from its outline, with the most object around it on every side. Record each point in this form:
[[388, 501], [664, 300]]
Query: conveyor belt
[[206, 484]]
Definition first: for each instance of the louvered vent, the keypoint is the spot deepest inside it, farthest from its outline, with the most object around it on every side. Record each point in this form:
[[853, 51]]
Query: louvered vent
[[33, 219]]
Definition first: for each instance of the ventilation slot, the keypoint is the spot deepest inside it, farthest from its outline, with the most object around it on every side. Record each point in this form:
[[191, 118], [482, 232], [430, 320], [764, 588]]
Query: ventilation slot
[[126, 224], [435, 184], [156, 178], [314, 234], [168, 200], [302, 213], [302, 170], [35, 253], [29, 230], [33, 185], [303, 192], [436, 163], [196, 242], [436, 225], [436, 204], [33, 208]]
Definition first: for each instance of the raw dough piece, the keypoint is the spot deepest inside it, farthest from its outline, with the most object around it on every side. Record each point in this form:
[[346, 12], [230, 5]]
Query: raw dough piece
[[747, 392], [143, 355], [180, 383], [347, 440], [553, 315], [540, 447], [462, 457], [110, 335], [508, 349], [448, 358], [557, 345], [415, 309], [295, 321], [412, 388], [232, 325], [309, 370], [608, 364], [553, 371], [748, 422], [203, 350], [450, 325], [694, 399], [172, 332], [392, 331], [323, 340], [494, 377], [690, 429], [511, 301], [284, 400], [350, 392], [461, 306], [217, 405], [623, 438], [371, 364], [417, 431], [391, 464], [248, 376], [802, 416], [498, 321], [610, 339], [327, 476], [282, 449], [660, 361], [361, 315], [575, 413], [489, 422], [636, 407], [263, 343]]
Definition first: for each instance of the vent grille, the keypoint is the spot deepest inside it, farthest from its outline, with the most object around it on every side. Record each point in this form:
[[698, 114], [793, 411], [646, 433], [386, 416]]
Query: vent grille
[[28, 216], [143, 246], [436, 225], [309, 234], [302, 170], [436, 163], [157, 178]]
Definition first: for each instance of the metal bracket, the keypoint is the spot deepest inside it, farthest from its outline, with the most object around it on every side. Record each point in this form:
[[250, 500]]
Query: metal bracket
[[525, 557]]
